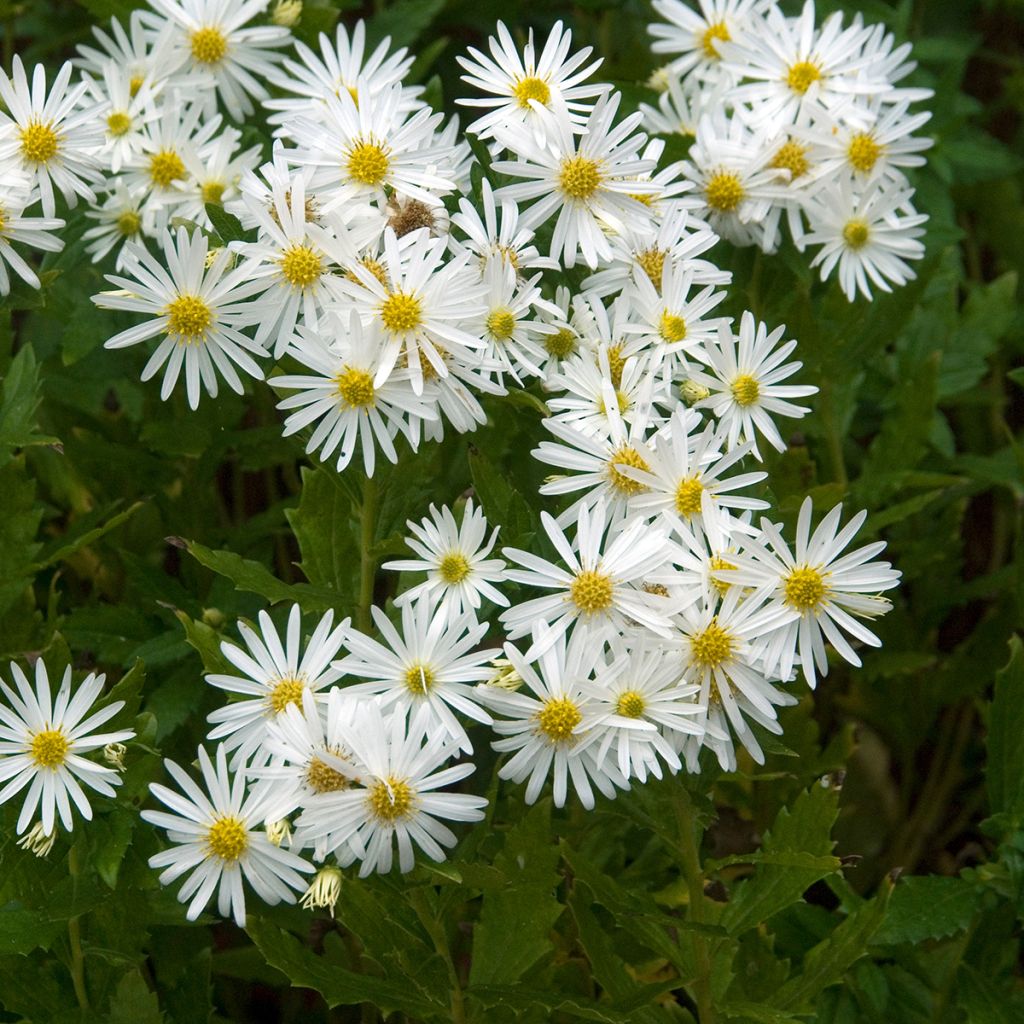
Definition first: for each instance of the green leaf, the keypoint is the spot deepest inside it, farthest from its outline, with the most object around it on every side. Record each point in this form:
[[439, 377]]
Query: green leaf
[[227, 225], [23, 930], [206, 641], [82, 535], [403, 21], [1005, 772], [928, 907], [984, 1002], [19, 398], [133, 1003]]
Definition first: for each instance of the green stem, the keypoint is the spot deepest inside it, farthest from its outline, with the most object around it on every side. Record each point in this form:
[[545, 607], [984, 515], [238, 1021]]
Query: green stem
[[437, 935], [75, 940], [694, 876], [367, 563]]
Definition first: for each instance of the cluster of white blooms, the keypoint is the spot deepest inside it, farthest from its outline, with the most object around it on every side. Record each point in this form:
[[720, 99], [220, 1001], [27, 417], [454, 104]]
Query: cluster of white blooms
[[796, 120]]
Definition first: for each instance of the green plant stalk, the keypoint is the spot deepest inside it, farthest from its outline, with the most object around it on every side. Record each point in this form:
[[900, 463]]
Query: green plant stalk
[[437, 935], [367, 563], [75, 940]]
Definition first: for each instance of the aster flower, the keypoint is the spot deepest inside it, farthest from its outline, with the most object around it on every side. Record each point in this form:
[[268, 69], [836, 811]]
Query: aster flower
[[42, 743], [217, 842], [31, 231], [212, 174], [122, 216], [122, 112]]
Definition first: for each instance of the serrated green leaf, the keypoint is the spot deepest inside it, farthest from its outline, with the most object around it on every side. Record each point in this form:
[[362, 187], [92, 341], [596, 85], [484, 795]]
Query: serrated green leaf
[[227, 225], [133, 1002], [929, 907], [19, 399]]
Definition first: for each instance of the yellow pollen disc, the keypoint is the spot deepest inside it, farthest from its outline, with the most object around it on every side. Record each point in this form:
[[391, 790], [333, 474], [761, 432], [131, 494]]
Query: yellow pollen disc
[[724, 191], [856, 233], [501, 323], [49, 748], [285, 692], [135, 84], [188, 317], [792, 157], [508, 253], [630, 704], [647, 198], [300, 266], [388, 801], [711, 646], [401, 313], [715, 32], [579, 177], [558, 718], [616, 364], [802, 75], [863, 152], [805, 588], [322, 778], [652, 262], [355, 388], [657, 589], [419, 680], [119, 123], [671, 327], [688, 497], [368, 163], [621, 400], [213, 192], [3, 219], [129, 223], [227, 838], [626, 455], [562, 344], [209, 45], [745, 390], [39, 142], [375, 268], [718, 562], [454, 567], [591, 592], [531, 88], [165, 167]]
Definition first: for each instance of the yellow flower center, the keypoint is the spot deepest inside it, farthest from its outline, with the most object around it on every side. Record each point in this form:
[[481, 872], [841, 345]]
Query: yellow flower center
[[129, 223], [716, 32], [561, 344], [718, 562], [135, 84], [531, 88], [188, 317], [745, 390], [119, 123], [558, 718], [419, 680], [711, 646], [368, 163], [501, 323], [286, 691], [401, 313], [591, 592], [630, 704], [792, 157], [322, 778], [671, 326], [863, 152], [213, 192], [688, 496], [209, 45], [626, 455], [856, 233], [652, 262], [355, 387], [454, 567], [621, 400], [724, 191], [39, 142], [802, 75], [227, 838], [804, 588], [165, 167], [49, 748], [300, 266], [579, 177], [616, 364], [390, 800]]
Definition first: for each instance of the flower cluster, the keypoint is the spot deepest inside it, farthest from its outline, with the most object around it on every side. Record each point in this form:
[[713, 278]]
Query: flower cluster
[[790, 119]]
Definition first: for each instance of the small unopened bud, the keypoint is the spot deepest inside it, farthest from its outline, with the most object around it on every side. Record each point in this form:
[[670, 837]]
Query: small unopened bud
[[505, 675], [279, 832], [36, 840], [286, 13], [324, 890], [213, 617], [113, 754], [660, 78], [691, 392]]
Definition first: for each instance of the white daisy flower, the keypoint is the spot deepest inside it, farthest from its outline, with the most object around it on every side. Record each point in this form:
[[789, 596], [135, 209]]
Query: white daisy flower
[[396, 800], [868, 234], [123, 114], [825, 590], [516, 82], [212, 175], [275, 676], [42, 743], [553, 727], [122, 216], [30, 231], [217, 838], [743, 378], [144, 54], [564, 341], [682, 105], [57, 136], [430, 664], [198, 309], [455, 557]]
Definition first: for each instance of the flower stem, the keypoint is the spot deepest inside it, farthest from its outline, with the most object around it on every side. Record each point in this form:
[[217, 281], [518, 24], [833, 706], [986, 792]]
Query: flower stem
[[75, 940], [437, 934], [367, 562]]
